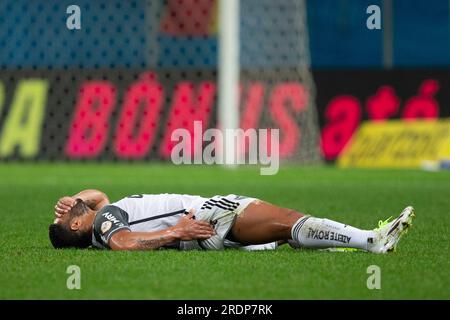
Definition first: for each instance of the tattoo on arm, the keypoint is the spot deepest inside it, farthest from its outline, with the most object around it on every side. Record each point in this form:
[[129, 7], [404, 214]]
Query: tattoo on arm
[[149, 244]]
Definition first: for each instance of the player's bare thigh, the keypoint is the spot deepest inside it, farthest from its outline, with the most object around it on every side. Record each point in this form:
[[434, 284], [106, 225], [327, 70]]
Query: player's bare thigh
[[262, 222]]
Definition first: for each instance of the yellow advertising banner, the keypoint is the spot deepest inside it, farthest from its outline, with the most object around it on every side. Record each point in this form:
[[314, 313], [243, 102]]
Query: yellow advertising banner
[[397, 144]]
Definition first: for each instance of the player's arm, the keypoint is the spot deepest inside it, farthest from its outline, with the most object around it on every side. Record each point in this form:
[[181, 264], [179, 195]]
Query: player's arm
[[187, 229], [94, 199]]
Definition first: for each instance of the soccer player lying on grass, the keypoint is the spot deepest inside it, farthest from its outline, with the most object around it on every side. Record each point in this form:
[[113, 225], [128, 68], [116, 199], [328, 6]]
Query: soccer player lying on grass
[[147, 222]]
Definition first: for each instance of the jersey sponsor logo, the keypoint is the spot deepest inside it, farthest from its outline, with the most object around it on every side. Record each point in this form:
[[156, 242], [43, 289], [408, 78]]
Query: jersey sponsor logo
[[105, 226], [113, 219]]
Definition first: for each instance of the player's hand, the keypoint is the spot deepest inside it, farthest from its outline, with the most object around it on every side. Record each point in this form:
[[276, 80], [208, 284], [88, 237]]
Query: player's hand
[[190, 229], [63, 206]]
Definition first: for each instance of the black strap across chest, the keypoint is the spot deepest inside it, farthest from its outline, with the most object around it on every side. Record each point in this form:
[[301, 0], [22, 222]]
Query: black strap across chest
[[164, 215]]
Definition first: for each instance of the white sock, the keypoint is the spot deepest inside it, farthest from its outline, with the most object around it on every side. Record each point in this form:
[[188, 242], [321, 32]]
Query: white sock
[[318, 233]]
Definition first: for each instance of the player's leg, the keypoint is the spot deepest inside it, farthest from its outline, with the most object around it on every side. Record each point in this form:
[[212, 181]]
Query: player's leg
[[262, 222]]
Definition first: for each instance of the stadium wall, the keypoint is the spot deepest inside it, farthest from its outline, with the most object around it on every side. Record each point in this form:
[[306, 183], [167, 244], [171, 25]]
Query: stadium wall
[[346, 98], [85, 94], [129, 115]]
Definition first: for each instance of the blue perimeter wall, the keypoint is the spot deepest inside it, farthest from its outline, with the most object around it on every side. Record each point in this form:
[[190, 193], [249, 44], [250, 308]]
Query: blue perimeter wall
[[116, 34]]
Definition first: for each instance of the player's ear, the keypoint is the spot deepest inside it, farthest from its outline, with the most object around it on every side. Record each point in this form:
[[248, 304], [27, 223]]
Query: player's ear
[[75, 224]]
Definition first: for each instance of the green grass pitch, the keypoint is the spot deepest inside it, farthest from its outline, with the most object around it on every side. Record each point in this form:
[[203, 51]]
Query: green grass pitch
[[31, 269]]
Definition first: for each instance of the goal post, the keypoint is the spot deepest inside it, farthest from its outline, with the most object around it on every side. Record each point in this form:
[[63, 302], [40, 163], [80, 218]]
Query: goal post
[[266, 42], [228, 73]]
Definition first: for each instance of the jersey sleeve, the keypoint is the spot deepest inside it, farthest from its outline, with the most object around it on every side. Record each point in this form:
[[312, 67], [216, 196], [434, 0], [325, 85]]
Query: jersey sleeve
[[108, 221]]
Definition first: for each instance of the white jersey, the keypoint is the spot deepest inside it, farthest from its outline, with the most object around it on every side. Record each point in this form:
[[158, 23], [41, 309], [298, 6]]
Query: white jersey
[[154, 212]]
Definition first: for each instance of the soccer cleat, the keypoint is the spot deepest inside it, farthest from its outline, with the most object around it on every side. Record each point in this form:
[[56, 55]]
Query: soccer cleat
[[389, 232]]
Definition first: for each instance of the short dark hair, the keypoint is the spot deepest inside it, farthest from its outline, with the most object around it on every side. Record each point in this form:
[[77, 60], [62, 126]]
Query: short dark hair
[[62, 237]]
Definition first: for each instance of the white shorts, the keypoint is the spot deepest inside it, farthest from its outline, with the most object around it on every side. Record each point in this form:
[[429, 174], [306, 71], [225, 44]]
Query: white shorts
[[222, 211]]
